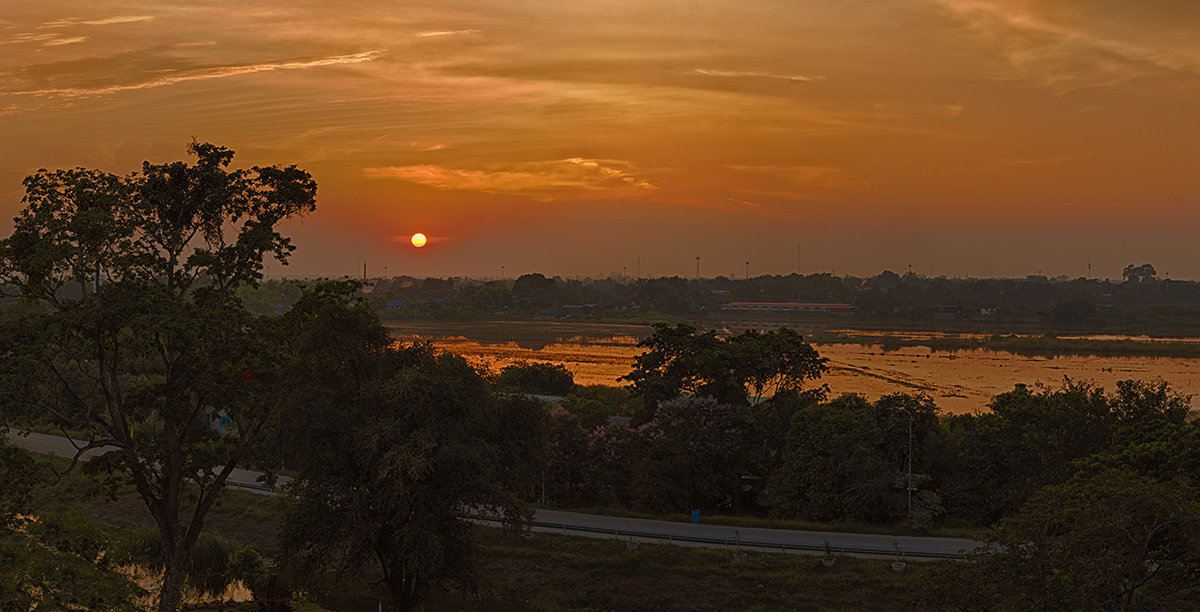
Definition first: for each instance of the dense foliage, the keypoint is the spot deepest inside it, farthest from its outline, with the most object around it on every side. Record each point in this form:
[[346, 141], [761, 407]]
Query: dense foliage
[[680, 359], [142, 339], [53, 560], [399, 443], [537, 378]]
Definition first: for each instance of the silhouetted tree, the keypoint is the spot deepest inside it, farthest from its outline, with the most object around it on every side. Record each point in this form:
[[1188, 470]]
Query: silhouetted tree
[[680, 359], [538, 378], [1139, 274], [146, 337]]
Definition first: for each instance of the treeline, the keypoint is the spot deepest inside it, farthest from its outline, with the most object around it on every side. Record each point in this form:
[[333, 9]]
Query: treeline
[[1093, 496], [1140, 302], [845, 459], [801, 454]]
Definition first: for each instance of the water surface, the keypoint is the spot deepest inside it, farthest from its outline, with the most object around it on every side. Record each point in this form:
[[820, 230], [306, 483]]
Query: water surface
[[958, 381]]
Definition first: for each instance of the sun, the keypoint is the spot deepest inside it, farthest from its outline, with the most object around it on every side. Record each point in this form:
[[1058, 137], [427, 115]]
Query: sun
[[419, 240]]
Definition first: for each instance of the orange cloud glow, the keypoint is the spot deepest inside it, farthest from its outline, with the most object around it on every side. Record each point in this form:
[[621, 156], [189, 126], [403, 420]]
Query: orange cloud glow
[[987, 137]]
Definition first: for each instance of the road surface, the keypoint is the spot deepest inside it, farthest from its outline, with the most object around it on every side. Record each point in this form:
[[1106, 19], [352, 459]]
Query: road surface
[[649, 530], [58, 445]]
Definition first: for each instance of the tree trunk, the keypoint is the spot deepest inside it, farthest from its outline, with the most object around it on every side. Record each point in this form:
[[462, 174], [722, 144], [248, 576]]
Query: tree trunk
[[403, 589], [172, 584]]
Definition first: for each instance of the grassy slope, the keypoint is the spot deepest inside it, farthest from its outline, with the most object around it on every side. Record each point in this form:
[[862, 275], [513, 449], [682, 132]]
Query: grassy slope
[[554, 572]]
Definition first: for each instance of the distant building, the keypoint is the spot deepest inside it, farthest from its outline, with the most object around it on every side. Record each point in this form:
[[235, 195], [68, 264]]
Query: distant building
[[949, 307], [569, 309], [790, 307]]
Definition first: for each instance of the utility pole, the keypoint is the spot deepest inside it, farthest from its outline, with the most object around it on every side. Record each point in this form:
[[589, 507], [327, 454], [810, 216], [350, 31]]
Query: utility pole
[[747, 269], [697, 267], [910, 448]]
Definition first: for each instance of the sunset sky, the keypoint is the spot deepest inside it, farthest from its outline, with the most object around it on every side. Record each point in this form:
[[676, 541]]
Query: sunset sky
[[970, 137]]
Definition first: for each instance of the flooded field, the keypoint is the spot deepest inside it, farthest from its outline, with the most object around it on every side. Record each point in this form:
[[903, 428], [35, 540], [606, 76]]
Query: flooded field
[[959, 381]]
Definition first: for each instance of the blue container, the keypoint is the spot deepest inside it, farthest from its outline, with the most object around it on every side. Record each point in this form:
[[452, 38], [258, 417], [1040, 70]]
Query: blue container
[[695, 516]]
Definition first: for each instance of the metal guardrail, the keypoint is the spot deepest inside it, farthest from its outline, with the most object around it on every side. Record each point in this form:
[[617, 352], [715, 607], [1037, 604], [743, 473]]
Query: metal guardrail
[[726, 542]]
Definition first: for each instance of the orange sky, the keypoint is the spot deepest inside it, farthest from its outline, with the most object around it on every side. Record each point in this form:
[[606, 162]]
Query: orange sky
[[973, 137]]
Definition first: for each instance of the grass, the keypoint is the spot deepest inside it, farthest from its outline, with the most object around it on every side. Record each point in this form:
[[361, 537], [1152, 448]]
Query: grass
[[51, 429], [243, 518], [556, 572]]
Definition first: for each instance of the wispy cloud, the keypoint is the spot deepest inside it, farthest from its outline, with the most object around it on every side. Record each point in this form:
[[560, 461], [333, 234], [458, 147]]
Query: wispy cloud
[[62, 23], [193, 44], [1068, 51], [58, 42], [174, 76], [745, 203], [435, 33], [27, 37], [55, 39], [756, 74], [537, 179]]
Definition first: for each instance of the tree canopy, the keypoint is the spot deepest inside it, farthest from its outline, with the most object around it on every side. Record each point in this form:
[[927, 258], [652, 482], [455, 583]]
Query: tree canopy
[[145, 340], [1111, 540], [538, 378], [680, 359], [399, 445]]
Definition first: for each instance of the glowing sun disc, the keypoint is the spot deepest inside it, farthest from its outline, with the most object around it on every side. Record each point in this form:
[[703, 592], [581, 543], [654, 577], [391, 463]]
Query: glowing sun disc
[[419, 240]]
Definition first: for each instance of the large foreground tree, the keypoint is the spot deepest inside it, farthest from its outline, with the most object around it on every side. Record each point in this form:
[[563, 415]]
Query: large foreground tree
[[144, 340]]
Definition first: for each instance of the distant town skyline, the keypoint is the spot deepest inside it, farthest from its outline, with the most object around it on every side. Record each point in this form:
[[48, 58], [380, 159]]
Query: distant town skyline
[[980, 138]]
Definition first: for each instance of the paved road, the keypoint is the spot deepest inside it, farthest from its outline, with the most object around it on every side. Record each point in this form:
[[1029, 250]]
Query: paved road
[[58, 445], [759, 538], [650, 530]]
